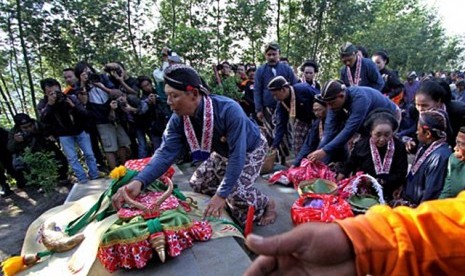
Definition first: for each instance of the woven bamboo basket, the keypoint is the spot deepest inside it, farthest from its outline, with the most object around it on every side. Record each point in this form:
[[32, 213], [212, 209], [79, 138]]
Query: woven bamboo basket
[[308, 186], [268, 164]]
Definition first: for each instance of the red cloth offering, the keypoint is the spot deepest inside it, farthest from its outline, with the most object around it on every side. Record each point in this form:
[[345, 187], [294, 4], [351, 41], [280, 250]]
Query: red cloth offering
[[139, 165], [319, 207], [307, 170]]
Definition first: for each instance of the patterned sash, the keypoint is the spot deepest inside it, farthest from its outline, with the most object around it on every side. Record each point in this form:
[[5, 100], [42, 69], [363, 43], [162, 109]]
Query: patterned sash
[[201, 153], [384, 166], [420, 159], [291, 110], [358, 66]]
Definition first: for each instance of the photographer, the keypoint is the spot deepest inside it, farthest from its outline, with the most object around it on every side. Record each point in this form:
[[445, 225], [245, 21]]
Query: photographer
[[28, 133], [66, 118], [126, 117], [99, 90], [120, 78], [6, 166], [152, 116], [120, 115]]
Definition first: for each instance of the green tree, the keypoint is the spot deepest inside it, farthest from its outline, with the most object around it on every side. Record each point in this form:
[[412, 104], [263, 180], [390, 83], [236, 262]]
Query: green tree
[[247, 21]]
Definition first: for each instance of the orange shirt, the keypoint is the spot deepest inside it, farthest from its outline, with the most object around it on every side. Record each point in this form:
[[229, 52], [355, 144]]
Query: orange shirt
[[67, 89], [427, 240]]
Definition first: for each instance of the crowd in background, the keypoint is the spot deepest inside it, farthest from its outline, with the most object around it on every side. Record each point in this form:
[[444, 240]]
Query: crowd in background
[[366, 120]]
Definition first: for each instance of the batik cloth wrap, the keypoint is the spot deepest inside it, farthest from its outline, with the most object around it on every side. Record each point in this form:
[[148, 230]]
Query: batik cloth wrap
[[300, 132], [210, 173], [268, 129]]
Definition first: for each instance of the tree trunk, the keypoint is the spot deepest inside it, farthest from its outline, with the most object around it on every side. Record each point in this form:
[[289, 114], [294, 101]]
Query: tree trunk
[[253, 50], [277, 20], [173, 20], [26, 58], [41, 65], [2, 110], [289, 27], [9, 103], [318, 29], [131, 36], [218, 38], [22, 97], [190, 13]]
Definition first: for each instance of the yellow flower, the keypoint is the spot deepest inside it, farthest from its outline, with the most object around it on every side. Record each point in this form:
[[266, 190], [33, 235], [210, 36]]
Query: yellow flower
[[118, 172], [13, 265]]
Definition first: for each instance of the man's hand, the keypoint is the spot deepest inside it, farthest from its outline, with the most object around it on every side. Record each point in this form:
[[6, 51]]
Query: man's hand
[[260, 116], [397, 194], [70, 102], [118, 77], [18, 137], [317, 155], [215, 207], [308, 249], [152, 99], [410, 146], [99, 85], [133, 189]]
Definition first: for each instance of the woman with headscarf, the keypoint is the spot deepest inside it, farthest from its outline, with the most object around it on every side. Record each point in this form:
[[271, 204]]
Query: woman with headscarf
[[425, 180], [220, 134], [393, 88]]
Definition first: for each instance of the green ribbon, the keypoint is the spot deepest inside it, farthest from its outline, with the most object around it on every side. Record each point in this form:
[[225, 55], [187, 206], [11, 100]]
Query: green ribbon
[[214, 219], [154, 225], [45, 253], [82, 221]]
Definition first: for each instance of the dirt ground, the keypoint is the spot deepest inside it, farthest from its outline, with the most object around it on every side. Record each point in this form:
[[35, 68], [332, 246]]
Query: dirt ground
[[19, 210]]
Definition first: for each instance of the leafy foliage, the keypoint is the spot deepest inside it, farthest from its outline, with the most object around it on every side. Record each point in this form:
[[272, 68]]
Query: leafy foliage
[[38, 38], [42, 169], [228, 88]]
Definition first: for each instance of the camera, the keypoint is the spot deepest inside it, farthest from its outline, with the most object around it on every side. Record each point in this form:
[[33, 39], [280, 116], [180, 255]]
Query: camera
[[93, 77], [110, 69], [24, 134], [61, 97], [122, 104]]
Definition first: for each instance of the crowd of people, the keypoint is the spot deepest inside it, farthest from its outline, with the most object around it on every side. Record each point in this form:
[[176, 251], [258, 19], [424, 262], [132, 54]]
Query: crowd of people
[[366, 120]]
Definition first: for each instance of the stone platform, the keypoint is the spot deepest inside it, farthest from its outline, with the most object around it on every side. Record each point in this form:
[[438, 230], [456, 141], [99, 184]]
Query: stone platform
[[224, 256]]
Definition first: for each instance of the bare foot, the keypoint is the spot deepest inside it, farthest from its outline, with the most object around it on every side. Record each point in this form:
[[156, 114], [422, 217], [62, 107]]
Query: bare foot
[[270, 214]]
